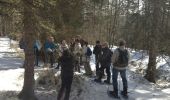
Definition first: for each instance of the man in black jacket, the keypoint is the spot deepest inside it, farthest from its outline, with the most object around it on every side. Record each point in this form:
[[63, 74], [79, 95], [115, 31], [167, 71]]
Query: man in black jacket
[[67, 66], [105, 61], [97, 52]]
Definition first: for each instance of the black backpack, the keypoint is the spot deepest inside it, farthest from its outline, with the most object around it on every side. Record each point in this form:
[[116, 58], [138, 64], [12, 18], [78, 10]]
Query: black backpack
[[89, 52], [123, 59]]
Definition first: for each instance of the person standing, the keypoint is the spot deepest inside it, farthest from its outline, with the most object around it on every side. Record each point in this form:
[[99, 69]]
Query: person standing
[[79, 39], [37, 48], [72, 44], [105, 61], [63, 46], [22, 43], [97, 52], [67, 67], [120, 60], [50, 49], [78, 53], [86, 53]]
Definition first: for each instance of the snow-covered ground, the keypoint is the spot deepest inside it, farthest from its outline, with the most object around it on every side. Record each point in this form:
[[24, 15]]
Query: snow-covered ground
[[139, 89]]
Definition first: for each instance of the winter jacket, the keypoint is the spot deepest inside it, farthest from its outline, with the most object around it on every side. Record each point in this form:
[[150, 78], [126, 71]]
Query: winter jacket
[[106, 55], [97, 50], [67, 61], [49, 46], [77, 50], [63, 47]]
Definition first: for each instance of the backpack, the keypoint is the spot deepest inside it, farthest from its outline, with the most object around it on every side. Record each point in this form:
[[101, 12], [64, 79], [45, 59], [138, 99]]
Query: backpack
[[123, 59], [89, 52]]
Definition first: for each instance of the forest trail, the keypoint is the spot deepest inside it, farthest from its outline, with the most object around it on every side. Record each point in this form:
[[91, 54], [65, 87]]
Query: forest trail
[[8, 57], [139, 88]]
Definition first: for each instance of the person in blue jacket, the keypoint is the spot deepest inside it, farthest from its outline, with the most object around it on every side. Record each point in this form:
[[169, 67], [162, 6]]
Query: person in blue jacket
[[50, 48]]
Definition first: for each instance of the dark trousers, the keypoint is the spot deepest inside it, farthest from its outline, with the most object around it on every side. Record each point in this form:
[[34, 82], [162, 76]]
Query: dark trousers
[[59, 63], [97, 63], [124, 80], [37, 54], [102, 68], [77, 66], [87, 68], [65, 87], [50, 58]]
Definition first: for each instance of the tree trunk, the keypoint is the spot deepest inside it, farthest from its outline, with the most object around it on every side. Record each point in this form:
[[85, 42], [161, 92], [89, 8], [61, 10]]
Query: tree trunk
[[155, 22], [29, 22], [151, 70]]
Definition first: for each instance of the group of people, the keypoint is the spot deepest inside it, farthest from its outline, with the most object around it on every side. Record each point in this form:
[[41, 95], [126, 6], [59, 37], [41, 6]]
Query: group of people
[[118, 60], [105, 59], [70, 56], [78, 47]]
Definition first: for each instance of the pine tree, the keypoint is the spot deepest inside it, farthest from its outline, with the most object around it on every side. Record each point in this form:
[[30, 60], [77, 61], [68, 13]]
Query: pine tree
[[29, 28], [153, 38]]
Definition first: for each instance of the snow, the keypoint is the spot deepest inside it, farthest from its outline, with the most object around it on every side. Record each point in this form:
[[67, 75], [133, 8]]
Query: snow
[[11, 80], [5, 44], [139, 89]]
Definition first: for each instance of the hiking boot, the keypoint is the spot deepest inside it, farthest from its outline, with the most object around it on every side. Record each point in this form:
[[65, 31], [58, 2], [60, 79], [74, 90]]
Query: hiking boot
[[106, 81], [97, 80], [124, 93], [113, 94]]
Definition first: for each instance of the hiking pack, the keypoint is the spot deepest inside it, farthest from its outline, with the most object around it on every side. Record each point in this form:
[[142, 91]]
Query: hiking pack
[[123, 59]]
